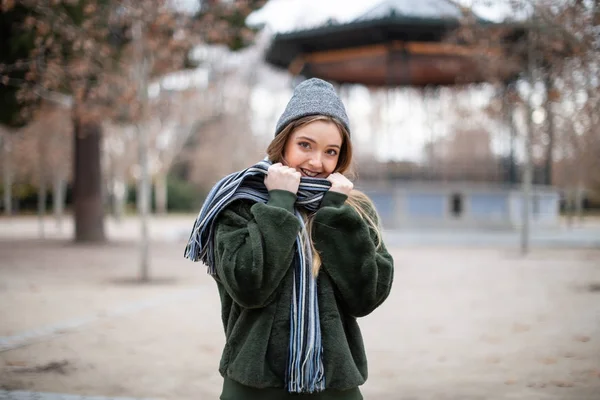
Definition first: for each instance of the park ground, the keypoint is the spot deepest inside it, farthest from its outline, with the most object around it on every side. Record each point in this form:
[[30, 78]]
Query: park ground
[[467, 320]]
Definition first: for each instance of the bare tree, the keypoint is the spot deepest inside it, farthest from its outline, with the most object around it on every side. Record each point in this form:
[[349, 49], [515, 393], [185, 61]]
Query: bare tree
[[102, 54], [552, 48]]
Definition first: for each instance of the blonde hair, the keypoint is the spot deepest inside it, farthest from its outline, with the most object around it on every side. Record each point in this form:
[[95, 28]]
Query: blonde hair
[[359, 201]]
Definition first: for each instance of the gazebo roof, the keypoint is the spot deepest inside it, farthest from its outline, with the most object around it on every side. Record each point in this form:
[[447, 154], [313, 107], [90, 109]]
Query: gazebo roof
[[440, 9], [397, 42]]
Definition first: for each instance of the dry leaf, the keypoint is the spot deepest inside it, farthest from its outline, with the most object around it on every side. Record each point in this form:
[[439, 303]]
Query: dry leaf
[[519, 328], [16, 363], [561, 383], [436, 329], [492, 360], [581, 338]]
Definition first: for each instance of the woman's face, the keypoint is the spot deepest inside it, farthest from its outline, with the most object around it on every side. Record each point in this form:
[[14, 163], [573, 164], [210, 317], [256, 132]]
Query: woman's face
[[314, 149]]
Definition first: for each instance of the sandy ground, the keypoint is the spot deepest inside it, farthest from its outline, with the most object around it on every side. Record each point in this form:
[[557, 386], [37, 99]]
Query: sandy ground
[[460, 323]]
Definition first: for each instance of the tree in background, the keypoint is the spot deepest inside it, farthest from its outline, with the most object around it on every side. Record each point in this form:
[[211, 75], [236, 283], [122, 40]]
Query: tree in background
[[556, 47], [98, 56]]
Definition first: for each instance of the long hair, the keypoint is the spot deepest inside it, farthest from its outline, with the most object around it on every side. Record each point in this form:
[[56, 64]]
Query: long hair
[[359, 201]]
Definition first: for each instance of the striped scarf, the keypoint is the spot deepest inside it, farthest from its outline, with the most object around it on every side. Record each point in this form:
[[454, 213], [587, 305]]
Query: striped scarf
[[305, 364]]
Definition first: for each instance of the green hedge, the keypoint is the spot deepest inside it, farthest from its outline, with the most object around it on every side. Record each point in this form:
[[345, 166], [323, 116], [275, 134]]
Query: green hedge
[[182, 196]]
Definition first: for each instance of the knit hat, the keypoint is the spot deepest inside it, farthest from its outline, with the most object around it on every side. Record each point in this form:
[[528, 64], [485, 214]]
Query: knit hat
[[313, 97]]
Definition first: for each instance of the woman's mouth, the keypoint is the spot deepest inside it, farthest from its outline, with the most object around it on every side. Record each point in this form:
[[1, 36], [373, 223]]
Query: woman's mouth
[[309, 173]]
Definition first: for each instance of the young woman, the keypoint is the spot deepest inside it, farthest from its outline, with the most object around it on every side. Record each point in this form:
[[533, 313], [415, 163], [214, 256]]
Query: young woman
[[297, 255]]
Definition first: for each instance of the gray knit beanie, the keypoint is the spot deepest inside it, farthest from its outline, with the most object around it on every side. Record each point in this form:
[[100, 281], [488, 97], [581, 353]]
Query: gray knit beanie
[[313, 97]]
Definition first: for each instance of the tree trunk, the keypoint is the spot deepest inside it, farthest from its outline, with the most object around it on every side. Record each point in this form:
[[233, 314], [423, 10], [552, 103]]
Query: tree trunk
[[144, 204], [58, 197], [527, 183], [118, 197], [550, 146], [109, 185], [42, 191], [508, 111], [144, 183], [579, 197], [570, 207], [7, 174], [160, 193], [87, 191]]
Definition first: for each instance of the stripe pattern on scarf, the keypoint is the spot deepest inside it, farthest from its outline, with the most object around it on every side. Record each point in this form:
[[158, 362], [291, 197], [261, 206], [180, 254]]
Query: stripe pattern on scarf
[[305, 372]]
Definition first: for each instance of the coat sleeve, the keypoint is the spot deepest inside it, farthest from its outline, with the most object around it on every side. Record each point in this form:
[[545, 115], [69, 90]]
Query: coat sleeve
[[254, 248], [362, 272]]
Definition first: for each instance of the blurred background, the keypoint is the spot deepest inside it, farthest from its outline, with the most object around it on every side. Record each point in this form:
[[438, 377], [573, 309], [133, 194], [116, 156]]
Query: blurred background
[[476, 133], [457, 107]]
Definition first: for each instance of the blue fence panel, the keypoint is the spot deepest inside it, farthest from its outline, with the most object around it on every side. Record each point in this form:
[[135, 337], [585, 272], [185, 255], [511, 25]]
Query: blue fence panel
[[426, 205], [384, 203], [488, 205]]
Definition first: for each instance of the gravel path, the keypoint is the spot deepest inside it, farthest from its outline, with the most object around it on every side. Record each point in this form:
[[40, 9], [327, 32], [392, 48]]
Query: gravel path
[[461, 323]]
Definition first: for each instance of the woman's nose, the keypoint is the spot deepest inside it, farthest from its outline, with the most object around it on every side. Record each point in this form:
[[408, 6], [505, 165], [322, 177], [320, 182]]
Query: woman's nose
[[315, 161]]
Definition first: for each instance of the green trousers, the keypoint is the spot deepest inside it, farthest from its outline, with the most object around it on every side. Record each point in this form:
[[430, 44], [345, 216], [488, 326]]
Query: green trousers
[[233, 390]]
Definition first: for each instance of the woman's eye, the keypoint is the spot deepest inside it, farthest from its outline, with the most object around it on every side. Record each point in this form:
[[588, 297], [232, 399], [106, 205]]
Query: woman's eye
[[306, 145], [332, 152]]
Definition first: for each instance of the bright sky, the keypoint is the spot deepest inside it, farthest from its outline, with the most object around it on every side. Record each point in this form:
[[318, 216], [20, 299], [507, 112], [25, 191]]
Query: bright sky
[[285, 15]]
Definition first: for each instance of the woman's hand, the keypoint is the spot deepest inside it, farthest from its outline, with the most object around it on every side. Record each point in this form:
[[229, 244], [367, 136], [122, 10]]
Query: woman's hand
[[282, 178], [340, 184]]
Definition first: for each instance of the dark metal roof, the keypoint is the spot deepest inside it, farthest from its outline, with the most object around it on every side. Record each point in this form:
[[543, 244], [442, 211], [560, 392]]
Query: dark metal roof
[[390, 20], [285, 47], [413, 35]]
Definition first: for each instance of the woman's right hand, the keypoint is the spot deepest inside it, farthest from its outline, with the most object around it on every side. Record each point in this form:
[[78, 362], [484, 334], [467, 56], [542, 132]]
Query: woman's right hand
[[281, 177]]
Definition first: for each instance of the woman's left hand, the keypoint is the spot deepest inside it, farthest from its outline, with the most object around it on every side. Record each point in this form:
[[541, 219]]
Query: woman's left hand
[[340, 184]]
